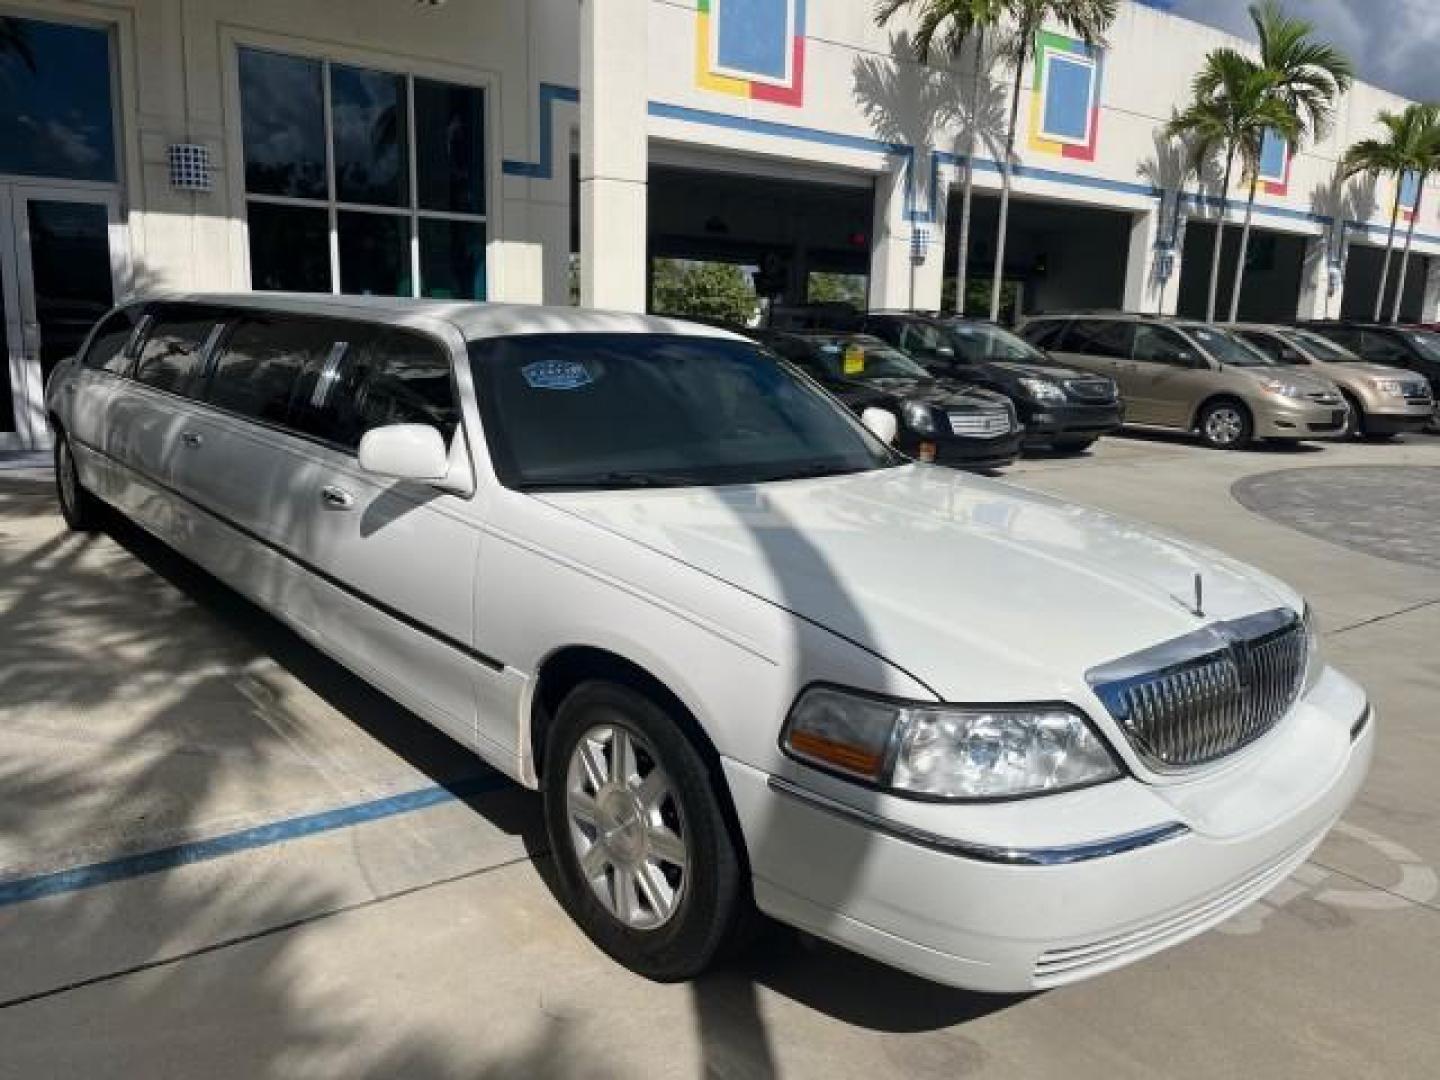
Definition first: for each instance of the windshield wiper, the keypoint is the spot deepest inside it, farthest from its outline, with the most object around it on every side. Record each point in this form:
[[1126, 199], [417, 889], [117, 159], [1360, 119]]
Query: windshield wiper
[[612, 481]]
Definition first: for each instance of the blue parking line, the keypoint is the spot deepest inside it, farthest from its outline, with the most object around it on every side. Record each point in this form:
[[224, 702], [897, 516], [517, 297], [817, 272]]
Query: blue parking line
[[88, 876]]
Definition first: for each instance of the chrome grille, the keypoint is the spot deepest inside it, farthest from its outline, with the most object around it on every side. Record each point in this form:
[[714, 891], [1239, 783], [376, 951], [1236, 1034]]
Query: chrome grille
[[980, 423], [1097, 390], [1200, 697], [1417, 393]]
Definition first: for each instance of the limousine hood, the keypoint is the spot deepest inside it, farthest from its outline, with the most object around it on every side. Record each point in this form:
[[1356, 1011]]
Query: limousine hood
[[982, 591]]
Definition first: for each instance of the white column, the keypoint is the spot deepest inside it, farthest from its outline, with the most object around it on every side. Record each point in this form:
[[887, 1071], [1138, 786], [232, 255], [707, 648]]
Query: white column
[[1152, 266], [1317, 301], [892, 274], [930, 274], [1430, 304], [613, 153]]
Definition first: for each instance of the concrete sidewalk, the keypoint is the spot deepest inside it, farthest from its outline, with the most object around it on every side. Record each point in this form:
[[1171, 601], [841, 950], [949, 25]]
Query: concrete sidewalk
[[144, 707]]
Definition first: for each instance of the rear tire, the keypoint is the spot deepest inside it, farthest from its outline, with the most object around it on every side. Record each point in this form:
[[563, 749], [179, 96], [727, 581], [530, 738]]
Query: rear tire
[[1227, 425], [645, 862], [78, 507], [1073, 444]]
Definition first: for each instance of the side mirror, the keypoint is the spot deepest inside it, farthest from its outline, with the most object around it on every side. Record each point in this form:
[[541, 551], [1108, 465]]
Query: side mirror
[[882, 424], [405, 452]]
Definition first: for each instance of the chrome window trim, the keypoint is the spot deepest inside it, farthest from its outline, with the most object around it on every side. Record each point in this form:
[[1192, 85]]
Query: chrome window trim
[[990, 853]]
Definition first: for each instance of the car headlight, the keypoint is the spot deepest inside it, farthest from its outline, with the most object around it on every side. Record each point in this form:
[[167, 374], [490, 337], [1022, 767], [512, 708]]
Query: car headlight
[[1281, 387], [1314, 656], [947, 751], [918, 417], [1043, 390], [1389, 387]]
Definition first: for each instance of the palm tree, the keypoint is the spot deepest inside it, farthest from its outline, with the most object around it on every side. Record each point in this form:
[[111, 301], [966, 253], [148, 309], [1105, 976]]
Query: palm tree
[[1409, 145], [951, 23], [1306, 77], [1429, 163], [1086, 19], [1233, 105]]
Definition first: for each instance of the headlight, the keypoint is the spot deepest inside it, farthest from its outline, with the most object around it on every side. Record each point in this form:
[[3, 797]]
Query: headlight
[[918, 417], [947, 751], [1389, 387], [1284, 389], [1043, 390], [1314, 657]]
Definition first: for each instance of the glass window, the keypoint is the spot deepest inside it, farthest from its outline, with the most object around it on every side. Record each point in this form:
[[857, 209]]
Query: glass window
[[259, 371], [107, 347], [384, 377], [173, 352], [71, 272], [374, 254], [1319, 346], [369, 117], [357, 146], [1424, 342], [1100, 337], [452, 259], [56, 116], [1385, 349], [1226, 347], [450, 147], [1158, 345], [1043, 334], [631, 410], [282, 110], [289, 248], [857, 356], [981, 341]]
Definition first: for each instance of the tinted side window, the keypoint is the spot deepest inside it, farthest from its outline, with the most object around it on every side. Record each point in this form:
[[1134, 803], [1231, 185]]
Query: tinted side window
[[391, 377], [1384, 349], [174, 350], [1157, 345], [1100, 337], [1341, 335], [259, 370], [1043, 335], [107, 347]]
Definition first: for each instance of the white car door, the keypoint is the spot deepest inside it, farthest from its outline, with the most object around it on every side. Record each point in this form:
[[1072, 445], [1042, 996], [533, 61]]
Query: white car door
[[86, 396], [147, 414], [396, 561]]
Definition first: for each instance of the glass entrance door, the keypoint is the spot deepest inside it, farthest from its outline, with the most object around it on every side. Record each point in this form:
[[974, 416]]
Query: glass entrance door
[[61, 254]]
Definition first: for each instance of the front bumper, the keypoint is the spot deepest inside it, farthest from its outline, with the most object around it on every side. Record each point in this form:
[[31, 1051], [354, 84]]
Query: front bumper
[[963, 452], [1285, 418], [1045, 424], [1398, 423], [957, 912]]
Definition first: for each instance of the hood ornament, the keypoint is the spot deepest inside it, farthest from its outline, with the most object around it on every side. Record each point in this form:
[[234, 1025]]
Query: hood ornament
[[1198, 607]]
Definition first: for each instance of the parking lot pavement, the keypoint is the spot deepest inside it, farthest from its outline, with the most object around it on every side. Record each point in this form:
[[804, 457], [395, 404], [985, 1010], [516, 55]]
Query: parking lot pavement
[[221, 855]]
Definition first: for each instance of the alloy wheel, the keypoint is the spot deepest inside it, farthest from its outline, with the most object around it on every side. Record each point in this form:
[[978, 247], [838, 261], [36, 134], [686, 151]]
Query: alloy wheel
[[626, 826], [1224, 426]]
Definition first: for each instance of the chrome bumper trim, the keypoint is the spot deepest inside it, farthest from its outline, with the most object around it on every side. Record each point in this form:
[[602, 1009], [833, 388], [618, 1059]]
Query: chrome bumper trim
[[1051, 856]]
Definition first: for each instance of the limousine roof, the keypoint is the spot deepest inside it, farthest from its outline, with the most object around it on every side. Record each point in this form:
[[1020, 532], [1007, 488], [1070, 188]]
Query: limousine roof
[[473, 319]]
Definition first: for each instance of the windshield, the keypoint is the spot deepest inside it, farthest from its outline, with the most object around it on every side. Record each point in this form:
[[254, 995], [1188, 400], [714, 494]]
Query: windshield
[[1426, 343], [1227, 348], [865, 358], [574, 411], [1320, 346], [976, 341]]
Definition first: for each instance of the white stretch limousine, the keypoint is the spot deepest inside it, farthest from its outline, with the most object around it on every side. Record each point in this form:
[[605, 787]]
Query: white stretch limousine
[[750, 655]]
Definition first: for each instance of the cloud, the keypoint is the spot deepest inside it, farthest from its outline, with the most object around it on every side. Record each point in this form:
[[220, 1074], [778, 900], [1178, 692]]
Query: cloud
[[1392, 42]]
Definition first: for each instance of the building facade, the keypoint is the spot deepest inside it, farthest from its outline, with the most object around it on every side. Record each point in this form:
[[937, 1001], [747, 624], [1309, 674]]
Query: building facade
[[533, 150]]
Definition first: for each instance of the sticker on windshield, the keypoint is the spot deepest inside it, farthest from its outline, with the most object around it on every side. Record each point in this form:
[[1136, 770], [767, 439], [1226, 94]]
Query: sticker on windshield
[[854, 363], [556, 375]]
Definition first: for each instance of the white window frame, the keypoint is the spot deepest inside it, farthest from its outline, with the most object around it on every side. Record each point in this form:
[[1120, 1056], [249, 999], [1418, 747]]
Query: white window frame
[[1264, 177], [1088, 62], [233, 40]]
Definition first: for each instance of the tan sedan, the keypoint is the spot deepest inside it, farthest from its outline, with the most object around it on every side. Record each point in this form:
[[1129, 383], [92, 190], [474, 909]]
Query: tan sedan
[[1193, 376], [1384, 401]]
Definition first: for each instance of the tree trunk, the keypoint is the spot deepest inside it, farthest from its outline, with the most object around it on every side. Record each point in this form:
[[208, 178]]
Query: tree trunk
[[1027, 34], [1244, 245], [1219, 236], [1405, 256], [1385, 265], [962, 255]]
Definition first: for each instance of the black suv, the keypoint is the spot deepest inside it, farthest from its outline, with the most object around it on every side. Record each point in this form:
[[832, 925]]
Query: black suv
[[941, 420], [1405, 347], [1061, 407]]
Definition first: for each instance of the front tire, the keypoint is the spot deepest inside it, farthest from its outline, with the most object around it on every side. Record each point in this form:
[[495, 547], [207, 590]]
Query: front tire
[[78, 507], [1073, 444], [645, 861], [1227, 425], [1355, 426]]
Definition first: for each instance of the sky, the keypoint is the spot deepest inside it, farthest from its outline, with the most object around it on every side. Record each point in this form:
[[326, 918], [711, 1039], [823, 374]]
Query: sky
[[1395, 44]]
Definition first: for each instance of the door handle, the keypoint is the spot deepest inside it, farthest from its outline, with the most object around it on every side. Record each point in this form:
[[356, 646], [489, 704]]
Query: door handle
[[336, 498], [192, 438]]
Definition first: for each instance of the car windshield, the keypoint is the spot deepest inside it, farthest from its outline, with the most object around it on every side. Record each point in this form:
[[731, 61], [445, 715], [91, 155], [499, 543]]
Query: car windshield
[[1227, 348], [1320, 346], [579, 411], [865, 358], [1426, 343], [976, 342]]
